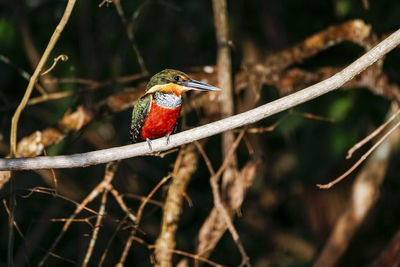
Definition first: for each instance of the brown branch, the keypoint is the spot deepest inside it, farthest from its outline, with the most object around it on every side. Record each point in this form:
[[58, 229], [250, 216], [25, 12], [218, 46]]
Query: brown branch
[[355, 31], [148, 197], [215, 225], [270, 70], [225, 83], [221, 207], [377, 82], [61, 57], [371, 135], [118, 197], [38, 70], [94, 84], [132, 236], [361, 160], [103, 185], [116, 230], [47, 97], [227, 109], [185, 166], [365, 193], [96, 229]]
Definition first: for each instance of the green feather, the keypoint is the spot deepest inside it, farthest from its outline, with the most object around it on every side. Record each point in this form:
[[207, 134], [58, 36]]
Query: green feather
[[164, 77], [139, 114]]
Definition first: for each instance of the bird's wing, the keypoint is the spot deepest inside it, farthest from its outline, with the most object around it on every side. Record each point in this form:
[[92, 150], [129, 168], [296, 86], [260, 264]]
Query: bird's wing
[[139, 114]]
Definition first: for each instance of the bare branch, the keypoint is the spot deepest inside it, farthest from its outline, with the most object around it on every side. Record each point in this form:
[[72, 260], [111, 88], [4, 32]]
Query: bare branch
[[365, 193], [245, 118], [96, 229], [361, 160], [33, 79], [185, 166], [372, 135]]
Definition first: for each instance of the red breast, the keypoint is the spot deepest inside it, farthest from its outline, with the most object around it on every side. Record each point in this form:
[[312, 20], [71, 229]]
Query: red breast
[[160, 121]]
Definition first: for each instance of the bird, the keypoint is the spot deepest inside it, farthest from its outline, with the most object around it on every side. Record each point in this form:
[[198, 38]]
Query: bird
[[156, 112]]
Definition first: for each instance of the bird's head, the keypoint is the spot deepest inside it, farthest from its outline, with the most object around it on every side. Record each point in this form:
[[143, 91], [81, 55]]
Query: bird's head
[[177, 82]]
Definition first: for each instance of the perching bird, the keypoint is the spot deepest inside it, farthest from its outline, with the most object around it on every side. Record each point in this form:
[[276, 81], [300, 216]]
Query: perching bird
[[156, 112]]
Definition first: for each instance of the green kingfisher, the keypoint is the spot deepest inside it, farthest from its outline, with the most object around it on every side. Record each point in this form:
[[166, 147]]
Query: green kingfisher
[[156, 112]]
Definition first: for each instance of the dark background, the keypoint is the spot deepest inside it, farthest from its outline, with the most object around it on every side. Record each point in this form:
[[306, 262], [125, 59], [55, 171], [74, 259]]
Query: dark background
[[300, 153]]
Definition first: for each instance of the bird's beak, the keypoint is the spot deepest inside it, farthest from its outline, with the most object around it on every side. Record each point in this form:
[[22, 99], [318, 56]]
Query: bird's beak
[[196, 85]]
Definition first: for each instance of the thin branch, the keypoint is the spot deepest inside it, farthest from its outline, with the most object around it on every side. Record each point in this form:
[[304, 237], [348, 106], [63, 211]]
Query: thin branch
[[118, 197], [364, 194], [38, 70], [372, 135], [51, 96], [131, 238], [95, 84], [129, 31], [116, 230], [103, 185], [245, 118], [227, 108], [214, 181], [96, 229], [149, 196], [142, 198], [361, 160], [185, 166], [61, 57]]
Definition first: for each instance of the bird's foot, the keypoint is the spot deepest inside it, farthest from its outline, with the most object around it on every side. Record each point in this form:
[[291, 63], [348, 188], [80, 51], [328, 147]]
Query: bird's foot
[[168, 136], [149, 143]]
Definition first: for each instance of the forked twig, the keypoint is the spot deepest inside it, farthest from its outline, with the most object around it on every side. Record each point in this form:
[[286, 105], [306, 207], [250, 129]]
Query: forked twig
[[214, 181], [103, 185], [128, 243], [149, 196], [122, 205], [372, 135], [361, 160]]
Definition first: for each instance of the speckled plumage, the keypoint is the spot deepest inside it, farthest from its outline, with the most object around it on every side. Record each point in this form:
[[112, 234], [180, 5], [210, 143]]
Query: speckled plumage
[[139, 114]]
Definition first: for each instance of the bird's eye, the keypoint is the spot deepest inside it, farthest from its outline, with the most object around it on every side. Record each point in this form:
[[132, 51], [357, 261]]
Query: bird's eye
[[177, 78]]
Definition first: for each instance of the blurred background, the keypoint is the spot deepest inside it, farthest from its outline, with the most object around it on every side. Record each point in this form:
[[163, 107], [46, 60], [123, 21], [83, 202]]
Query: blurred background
[[284, 220]]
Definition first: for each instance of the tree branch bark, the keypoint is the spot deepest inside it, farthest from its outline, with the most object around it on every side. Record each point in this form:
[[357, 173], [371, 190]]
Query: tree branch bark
[[245, 118]]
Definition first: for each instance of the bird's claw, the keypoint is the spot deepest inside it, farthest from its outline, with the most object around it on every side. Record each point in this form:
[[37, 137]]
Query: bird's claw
[[149, 143]]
